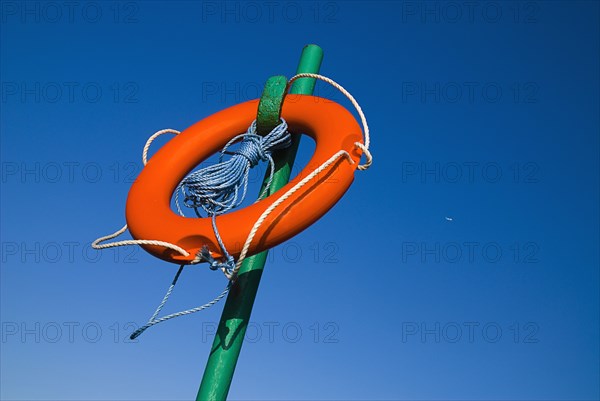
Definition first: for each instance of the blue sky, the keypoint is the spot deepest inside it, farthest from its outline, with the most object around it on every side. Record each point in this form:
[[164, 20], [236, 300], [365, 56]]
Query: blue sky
[[486, 113]]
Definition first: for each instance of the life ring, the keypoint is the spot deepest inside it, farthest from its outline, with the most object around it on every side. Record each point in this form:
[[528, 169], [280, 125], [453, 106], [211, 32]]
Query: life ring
[[148, 209]]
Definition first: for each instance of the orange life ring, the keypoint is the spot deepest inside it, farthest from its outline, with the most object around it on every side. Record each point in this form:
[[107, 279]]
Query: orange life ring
[[148, 211]]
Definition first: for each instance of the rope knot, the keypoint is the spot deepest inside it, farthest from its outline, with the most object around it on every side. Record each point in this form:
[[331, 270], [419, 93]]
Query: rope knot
[[227, 266], [253, 149]]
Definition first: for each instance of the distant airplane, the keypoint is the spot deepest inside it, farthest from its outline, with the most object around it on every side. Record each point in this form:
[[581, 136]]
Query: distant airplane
[[449, 219]]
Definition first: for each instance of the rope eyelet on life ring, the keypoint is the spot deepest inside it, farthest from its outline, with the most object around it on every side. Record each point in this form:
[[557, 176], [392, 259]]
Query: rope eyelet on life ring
[[148, 208]]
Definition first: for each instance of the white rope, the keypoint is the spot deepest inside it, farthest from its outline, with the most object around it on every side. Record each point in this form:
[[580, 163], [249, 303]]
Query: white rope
[[364, 147], [152, 138], [278, 202], [96, 244], [342, 153], [363, 119]]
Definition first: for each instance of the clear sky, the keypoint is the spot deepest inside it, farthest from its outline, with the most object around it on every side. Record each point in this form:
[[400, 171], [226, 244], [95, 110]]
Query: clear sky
[[463, 265]]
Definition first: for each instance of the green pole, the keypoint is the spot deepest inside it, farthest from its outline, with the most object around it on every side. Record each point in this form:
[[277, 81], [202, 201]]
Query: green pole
[[228, 340]]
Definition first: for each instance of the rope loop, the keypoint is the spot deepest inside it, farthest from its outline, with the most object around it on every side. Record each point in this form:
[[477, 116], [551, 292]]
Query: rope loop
[[367, 154]]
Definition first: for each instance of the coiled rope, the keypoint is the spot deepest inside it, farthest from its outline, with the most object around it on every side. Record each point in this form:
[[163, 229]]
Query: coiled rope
[[223, 186], [219, 188]]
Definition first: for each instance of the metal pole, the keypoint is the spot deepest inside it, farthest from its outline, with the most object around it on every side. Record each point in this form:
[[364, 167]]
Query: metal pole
[[228, 341]]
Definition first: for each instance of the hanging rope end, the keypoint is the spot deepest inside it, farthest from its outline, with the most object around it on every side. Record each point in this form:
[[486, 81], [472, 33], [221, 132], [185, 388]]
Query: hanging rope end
[[138, 332]]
